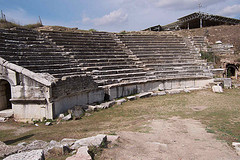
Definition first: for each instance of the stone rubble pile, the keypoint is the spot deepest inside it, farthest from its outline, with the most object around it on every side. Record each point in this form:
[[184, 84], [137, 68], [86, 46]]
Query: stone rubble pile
[[37, 150]]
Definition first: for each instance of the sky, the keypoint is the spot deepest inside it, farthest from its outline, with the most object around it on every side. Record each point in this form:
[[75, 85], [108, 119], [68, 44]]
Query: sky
[[112, 15]]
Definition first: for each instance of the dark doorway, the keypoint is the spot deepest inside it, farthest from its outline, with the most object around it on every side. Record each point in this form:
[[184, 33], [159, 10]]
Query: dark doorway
[[5, 95], [231, 70]]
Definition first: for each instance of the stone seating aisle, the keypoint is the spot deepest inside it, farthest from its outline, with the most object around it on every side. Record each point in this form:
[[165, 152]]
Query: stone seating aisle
[[31, 50], [166, 54], [98, 55]]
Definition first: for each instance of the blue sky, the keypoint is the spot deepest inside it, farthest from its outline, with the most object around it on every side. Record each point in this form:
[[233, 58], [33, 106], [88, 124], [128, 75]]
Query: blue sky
[[112, 15]]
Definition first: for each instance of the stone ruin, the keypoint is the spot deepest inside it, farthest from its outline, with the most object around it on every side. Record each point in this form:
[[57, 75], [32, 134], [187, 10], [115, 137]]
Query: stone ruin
[[45, 73]]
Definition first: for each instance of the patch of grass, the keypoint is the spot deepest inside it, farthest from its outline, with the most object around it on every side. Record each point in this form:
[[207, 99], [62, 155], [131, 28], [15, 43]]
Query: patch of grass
[[221, 117]]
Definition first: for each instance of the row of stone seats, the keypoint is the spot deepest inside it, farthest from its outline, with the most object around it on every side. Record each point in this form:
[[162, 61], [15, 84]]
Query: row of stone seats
[[98, 55], [29, 49], [166, 54]]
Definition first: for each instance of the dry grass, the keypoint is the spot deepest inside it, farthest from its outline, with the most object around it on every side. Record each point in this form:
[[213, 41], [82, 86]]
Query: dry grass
[[220, 114]]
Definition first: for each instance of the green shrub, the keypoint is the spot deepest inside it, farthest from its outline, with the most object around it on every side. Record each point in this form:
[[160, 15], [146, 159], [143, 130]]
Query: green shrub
[[92, 30], [210, 57]]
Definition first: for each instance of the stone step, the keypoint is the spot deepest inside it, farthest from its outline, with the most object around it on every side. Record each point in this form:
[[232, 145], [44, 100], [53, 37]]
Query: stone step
[[117, 76], [117, 71]]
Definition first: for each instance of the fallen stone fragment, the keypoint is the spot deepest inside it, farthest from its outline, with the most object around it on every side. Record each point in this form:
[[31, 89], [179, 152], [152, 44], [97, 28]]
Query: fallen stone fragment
[[82, 154], [161, 93], [37, 144], [105, 105], [91, 108], [68, 141], [7, 113], [144, 95], [61, 116], [31, 155], [48, 123], [112, 138], [131, 98], [121, 101], [217, 89], [236, 145], [186, 91], [90, 141], [68, 117], [78, 112], [2, 119], [173, 91]]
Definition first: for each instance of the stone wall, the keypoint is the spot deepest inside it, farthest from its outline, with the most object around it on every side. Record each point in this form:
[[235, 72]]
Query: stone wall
[[123, 90]]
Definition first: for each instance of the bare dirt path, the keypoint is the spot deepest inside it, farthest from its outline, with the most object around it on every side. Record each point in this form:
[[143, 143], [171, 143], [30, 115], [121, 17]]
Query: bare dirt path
[[173, 139]]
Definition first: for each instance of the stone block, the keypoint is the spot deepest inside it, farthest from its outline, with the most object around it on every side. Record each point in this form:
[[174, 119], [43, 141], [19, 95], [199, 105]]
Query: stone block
[[131, 98], [7, 113], [121, 101], [217, 89], [174, 91], [68, 141], [67, 117], [90, 141], [161, 93], [144, 95], [31, 155], [82, 154]]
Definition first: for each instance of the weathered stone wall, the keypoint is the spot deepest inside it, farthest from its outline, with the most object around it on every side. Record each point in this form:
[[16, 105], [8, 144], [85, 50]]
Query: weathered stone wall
[[29, 98], [72, 85], [117, 91], [74, 91]]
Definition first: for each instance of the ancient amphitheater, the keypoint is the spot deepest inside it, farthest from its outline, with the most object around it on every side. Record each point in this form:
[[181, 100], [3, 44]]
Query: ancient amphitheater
[[44, 73]]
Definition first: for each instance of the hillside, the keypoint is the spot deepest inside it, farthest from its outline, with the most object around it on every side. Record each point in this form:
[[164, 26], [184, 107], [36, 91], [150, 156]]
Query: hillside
[[226, 34]]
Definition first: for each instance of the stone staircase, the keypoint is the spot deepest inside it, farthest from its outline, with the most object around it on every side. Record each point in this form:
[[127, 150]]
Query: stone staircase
[[98, 55], [167, 55]]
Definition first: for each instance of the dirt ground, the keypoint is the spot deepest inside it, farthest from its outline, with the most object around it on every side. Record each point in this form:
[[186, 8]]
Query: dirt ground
[[175, 138]]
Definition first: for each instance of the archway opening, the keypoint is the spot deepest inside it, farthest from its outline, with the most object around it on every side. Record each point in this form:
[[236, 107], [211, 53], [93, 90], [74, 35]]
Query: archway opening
[[231, 70], [5, 95]]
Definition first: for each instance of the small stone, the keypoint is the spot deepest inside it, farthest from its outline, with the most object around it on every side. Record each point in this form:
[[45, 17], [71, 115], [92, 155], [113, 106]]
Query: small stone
[[48, 123], [161, 93], [61, 116], [131, 98], [2, 119], [186, 91], [173, 91], [78, 112], [68, 141], [91, 108], [68, 117], [121, 101], [144, 95], [217, 89], [36, 125]]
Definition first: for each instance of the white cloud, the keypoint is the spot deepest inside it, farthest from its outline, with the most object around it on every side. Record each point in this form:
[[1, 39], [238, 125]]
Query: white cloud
[[231, 10], [113, 18]]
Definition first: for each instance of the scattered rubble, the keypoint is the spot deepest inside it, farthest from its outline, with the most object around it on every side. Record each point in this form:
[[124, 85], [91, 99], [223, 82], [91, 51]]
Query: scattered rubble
[[31, 155], [37, 150]]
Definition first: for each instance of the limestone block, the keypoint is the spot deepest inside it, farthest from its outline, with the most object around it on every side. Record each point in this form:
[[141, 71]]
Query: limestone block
[[131, 98], [82, 154], [2, 119], [112, 138], [90, 141], [217, 89], [161, 93], [144, 95], [7, 113], [121, 101], [67, 117], [68, 141], [236, 145], [173, 91], [168, 85], [31, 155]]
